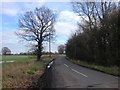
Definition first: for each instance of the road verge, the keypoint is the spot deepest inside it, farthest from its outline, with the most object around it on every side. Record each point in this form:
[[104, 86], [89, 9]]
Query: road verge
[[44, 81], [114, 70]]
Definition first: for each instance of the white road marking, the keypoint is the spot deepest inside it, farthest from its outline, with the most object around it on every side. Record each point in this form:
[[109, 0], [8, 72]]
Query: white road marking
[[66, 65], [79, 73], [116, 77]]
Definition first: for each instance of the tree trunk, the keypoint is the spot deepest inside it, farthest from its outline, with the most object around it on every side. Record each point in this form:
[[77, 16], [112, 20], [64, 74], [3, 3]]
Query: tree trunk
[[39, 51]]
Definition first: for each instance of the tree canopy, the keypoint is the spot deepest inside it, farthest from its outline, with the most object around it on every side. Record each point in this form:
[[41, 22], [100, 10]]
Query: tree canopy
[[6, 51], [37, 26], [61, 49], [99, 40]]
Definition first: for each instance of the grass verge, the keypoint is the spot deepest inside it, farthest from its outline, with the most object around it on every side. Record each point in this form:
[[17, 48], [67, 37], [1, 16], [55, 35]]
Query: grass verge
[[23, 71], [113, 70]]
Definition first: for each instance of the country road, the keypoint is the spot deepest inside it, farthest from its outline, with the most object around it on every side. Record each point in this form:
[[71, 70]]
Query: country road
[[64, 74]]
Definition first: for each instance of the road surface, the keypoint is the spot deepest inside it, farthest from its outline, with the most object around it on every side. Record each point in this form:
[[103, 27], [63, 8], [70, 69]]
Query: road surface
[[64, 74]]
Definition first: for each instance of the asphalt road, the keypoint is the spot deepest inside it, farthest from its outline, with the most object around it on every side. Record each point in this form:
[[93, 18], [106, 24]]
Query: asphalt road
[[64, 74]]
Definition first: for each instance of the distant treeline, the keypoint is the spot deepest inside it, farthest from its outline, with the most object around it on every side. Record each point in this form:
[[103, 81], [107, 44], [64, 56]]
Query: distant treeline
[[98, 38], [32, 53]]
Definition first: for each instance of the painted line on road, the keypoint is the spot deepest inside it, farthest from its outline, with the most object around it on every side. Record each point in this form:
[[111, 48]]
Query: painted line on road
[[66, 65], [79, 73], [116, 77]]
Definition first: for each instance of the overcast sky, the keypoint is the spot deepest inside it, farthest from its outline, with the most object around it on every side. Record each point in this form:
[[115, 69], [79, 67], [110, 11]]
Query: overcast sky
[[10, 12]]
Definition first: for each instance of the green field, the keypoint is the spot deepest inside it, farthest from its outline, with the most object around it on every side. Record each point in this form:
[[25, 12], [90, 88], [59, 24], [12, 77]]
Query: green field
[[18, 58], [20, 73]]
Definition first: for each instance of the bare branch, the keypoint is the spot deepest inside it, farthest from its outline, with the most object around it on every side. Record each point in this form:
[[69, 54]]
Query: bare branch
[[35, 26]]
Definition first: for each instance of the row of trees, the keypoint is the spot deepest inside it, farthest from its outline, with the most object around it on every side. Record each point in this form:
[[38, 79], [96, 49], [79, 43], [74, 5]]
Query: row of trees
[[98, 37]]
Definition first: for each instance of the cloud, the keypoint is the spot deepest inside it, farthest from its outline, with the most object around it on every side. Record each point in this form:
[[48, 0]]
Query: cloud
[[35, 1], [10, 9], [66, 24], [68, 16], [16, 8], [10, 40], [64, 28], [32, 5], [9, 36], [15, 47]]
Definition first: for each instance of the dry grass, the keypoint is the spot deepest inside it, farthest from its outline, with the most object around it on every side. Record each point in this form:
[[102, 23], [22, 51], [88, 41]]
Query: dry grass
[[17, 76], [21, 75]]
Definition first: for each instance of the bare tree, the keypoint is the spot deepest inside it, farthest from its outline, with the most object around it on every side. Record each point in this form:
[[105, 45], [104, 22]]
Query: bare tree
[[6, 51], [99, 37], [61, 49], [95, 12], [37, 26]]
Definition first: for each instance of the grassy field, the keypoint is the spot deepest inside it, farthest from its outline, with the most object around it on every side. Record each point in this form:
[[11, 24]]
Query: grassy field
[[113, 70], [20, 73], [18, 58]]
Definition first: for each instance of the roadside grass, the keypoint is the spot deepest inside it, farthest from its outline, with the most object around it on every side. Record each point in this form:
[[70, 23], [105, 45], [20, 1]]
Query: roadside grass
[[113, 70], [21, 73]]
